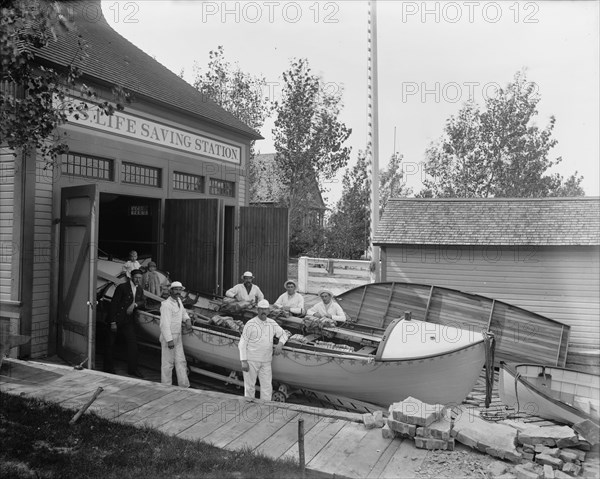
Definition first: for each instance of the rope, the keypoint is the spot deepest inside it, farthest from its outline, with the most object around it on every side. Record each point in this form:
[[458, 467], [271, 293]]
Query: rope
[[517, 376], [490, 351]]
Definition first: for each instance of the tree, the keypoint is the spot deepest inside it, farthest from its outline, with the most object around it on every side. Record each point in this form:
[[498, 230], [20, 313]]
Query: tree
[[498, 151], [35, 99], [236, 91], [391, 182], [239, 93], [309, 141], [349, 227]]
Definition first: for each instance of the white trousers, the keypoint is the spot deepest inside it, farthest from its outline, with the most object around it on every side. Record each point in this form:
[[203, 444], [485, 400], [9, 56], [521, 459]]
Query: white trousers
[[173, 357], [263, 371]]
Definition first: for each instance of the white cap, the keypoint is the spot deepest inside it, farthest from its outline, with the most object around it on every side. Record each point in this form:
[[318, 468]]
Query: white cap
[[176, 284], [263, 303], [248, 273]]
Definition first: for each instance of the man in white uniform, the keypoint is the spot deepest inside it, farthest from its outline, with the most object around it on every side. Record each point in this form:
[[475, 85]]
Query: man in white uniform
[[246, 291], [327, 308], [256, 351], [291, 301], [172, 317]]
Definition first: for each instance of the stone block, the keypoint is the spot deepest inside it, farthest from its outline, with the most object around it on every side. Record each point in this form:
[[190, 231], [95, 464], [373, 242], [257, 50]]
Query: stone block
[[551, 451], [580, 454], [589, 430], [387, 433], [548, 472], [368, 420], [524, 473], [561, 436], [528, 456], [567, 456], [571, 468], [538, 448], [555, 462], [498, 439], [432, 443], [402, 427], [496, 469], [418, 413], [528, 448], [379, 419], [439, 429], [561, 475], [466, 440]]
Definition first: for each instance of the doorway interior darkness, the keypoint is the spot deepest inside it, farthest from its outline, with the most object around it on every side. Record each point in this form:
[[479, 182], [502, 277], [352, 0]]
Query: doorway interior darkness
[[128, 223]]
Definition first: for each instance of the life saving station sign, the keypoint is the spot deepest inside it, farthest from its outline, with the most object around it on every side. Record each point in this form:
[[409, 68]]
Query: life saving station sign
[[131, 126]]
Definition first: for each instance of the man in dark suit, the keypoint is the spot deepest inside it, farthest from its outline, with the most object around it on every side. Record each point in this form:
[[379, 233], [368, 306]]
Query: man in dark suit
[[128, 297]]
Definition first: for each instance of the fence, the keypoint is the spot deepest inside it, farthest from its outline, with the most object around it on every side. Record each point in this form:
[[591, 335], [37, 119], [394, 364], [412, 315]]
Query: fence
[[337, 275]]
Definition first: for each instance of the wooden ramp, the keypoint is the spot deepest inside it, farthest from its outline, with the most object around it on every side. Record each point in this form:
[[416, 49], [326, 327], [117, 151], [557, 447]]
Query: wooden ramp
[[336, 443]]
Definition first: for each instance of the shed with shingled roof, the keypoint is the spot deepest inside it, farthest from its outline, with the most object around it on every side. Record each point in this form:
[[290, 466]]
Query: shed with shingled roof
[[541, 254]]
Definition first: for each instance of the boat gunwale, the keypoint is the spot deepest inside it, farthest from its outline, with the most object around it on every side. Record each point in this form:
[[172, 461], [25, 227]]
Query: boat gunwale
[[371, 358], [472, 295], [511, 369]]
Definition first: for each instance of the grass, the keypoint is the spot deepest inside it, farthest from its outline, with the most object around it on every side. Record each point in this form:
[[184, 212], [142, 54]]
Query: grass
[[36, 441]]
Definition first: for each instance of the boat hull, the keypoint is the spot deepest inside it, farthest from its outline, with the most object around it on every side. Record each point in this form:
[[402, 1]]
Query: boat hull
[[550, 392], [442, 379]]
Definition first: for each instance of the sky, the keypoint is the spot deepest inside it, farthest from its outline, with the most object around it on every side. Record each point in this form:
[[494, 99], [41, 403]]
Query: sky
[[432, 57]]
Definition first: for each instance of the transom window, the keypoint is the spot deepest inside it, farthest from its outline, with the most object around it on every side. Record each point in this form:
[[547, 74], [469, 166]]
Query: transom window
[[222, 187], [188, 182], [88, 166], [142, 175]]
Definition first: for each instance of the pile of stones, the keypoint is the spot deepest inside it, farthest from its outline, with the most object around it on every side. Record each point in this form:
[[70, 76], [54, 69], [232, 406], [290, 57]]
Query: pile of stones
[[550, 452]]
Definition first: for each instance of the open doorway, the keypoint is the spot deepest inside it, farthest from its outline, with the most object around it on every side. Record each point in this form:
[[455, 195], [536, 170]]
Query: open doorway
[[128, 223], [125, 223]]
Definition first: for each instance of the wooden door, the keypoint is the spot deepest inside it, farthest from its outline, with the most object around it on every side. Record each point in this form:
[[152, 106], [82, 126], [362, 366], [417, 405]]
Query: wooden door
[[77, 274], [193, 246], [264, 248]]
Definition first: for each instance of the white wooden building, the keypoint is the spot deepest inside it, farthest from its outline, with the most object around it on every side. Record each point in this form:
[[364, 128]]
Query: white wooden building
[[541, 254], [167, 177]]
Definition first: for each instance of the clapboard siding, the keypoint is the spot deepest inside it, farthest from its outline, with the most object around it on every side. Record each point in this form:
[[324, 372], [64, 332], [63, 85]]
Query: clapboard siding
[[7, 189], [42, 235], [560, 282], [242, 190]]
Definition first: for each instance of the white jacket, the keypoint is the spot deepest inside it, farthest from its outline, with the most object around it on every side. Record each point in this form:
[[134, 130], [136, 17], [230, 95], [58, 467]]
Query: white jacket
[[256, 343], [172, 315], [239, 292]]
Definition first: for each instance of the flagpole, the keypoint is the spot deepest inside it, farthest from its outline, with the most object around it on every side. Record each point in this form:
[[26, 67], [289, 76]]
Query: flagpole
[[373, 139]]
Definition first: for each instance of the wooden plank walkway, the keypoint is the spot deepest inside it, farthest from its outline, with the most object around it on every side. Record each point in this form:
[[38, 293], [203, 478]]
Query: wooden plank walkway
[[336, 443]]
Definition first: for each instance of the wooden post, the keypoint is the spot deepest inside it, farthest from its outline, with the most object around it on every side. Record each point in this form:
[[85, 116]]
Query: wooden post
[[85, 406], [301, 446], [303, 274]]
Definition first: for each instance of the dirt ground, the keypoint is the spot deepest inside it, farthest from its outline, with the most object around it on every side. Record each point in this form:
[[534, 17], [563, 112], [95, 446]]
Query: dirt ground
[[465, 462]]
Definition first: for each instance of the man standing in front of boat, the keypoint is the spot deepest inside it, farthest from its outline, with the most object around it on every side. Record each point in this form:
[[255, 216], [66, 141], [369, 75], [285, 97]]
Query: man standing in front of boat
[[256, 351], [172, 317]]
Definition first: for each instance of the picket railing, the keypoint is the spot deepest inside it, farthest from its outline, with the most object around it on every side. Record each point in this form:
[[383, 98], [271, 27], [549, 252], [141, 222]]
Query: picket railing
[[337, 275]]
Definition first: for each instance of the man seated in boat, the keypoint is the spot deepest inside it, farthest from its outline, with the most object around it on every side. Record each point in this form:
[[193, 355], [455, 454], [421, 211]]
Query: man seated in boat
[[245, 294], [325, 314], [290, 302]]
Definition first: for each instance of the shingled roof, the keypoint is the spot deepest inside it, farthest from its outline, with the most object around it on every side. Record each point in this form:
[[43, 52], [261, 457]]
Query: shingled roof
[[113, 60], [495, 221]]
